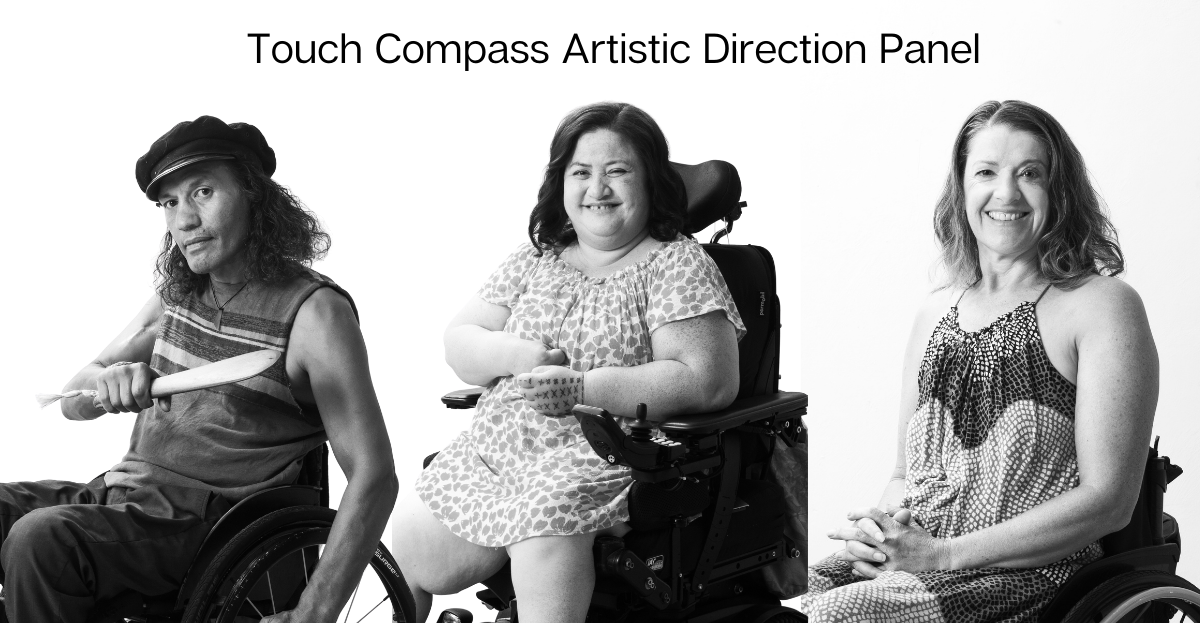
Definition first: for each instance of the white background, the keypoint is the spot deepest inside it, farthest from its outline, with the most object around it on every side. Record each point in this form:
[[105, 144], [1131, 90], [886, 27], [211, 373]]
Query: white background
[[424, 176]]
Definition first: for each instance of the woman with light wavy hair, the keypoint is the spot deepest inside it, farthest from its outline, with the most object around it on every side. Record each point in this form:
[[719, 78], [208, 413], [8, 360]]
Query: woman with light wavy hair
[[1029, 389]]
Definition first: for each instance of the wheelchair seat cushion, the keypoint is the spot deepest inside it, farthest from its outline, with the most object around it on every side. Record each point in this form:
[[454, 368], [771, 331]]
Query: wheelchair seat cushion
[[992, 437], [516, 473]]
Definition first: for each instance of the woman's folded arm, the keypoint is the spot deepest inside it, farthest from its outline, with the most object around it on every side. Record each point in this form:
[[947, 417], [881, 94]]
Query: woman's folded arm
[[695, 370], [479, 350]]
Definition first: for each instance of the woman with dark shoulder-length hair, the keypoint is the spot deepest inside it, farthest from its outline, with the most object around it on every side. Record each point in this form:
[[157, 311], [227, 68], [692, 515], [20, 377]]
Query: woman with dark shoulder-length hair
[[1029, 389], [609, 304]]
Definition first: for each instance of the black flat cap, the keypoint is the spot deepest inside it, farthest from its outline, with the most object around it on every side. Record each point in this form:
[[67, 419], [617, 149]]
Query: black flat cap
[[206, 138]]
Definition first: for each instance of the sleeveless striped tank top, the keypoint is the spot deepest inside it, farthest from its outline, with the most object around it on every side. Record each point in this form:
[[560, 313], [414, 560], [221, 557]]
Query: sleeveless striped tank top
[[235, 439]]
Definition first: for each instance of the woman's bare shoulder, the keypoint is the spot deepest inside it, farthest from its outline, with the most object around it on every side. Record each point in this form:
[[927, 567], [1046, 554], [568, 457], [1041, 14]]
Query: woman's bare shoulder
[[935, 306], [1101, 301], [929, 314]]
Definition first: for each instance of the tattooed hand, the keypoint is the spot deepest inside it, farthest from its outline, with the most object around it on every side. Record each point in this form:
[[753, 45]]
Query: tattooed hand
[[551, 390]]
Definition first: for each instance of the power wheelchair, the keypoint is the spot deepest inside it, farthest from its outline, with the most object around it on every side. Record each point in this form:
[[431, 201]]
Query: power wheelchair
[[707, 512], [257, 560]]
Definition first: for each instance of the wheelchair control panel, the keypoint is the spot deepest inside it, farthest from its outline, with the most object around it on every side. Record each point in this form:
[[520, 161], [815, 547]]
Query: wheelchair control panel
[[653, 459]]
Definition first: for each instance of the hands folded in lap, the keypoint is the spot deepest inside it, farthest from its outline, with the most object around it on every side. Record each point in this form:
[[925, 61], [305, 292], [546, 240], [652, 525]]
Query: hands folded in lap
[[878, 541]]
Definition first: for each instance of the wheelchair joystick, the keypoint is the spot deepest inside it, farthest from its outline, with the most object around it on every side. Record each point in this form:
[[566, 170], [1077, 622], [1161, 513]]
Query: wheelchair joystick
[[639, 449], [640, 429]]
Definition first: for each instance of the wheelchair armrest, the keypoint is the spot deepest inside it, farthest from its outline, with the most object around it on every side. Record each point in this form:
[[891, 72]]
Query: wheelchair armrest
[[463, 398], [741, 412], [691, 443]]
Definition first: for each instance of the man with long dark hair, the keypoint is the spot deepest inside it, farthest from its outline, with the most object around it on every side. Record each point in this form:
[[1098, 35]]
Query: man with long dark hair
[[233, 278]]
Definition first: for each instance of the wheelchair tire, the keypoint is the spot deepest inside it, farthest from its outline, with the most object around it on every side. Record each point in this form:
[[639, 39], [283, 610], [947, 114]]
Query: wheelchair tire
[[221, 594], [1138, 596]]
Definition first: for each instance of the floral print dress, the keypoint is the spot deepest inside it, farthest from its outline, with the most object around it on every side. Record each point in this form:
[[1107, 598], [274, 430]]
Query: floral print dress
[[515, 473]]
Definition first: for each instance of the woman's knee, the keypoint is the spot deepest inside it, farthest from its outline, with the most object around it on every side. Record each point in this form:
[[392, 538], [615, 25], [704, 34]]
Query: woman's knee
[[435, 559]]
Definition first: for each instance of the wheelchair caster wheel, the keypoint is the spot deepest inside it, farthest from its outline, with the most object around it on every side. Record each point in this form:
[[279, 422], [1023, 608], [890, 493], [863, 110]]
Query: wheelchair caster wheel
[[455, 615]]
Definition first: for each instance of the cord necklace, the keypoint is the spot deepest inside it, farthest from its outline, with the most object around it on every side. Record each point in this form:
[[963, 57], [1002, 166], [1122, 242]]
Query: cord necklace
[[219, 304]]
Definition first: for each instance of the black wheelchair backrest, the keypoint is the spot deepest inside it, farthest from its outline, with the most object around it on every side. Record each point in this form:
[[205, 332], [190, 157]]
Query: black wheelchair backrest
[[714, 191], [1145, 527], [749, 271]]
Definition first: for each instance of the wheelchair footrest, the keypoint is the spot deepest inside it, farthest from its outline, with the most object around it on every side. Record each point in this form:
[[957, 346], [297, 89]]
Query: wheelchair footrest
[[617, 561]]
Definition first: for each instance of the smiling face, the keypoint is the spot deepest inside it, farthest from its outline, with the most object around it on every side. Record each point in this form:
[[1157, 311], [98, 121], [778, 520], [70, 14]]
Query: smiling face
[[1006, 185], [209, 219], [604, 191]]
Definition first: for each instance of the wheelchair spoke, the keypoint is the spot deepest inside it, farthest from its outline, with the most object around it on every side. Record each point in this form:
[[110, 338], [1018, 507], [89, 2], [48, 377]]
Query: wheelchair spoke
[[236, 591], [260, 614], [372, 609], [352, 598]]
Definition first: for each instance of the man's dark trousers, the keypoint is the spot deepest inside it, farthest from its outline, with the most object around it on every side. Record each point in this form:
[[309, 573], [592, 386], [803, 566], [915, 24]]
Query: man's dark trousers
[[65, 545]]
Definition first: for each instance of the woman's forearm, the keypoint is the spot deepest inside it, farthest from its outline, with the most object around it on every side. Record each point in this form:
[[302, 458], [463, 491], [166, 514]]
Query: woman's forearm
[[893, 494], [667, 387], [1044, 534], [478, 355]]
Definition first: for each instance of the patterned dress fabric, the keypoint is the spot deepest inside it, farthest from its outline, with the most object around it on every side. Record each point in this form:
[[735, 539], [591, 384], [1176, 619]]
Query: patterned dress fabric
[[993, 436], [238, 438], [516, 474]]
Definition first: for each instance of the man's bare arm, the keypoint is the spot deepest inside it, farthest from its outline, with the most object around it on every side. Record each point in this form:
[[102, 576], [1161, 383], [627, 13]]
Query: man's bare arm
[[329, 346], [125, 388]]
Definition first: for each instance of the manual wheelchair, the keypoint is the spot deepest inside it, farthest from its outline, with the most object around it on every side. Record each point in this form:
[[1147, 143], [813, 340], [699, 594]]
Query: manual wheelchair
[[1135, 581], [707, 512], [257, 559]]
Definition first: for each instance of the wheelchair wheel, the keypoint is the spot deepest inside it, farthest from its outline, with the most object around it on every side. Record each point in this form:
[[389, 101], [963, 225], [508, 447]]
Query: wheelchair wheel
[[265, 568], [1139, 597]]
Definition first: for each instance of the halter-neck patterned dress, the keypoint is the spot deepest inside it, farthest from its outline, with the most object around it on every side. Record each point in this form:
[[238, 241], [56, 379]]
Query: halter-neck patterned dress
[[993, 436]]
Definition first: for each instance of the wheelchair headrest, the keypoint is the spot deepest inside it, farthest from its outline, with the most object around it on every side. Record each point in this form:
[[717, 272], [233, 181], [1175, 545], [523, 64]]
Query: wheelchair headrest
[[714, 190]]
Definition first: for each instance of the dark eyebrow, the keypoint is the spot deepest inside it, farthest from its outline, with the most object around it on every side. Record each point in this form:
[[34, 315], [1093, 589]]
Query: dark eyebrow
[[628, 163], [200, 178]]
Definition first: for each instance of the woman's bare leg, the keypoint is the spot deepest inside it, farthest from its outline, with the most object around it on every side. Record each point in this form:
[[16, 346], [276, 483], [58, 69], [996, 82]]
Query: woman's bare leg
[[436, 562], [553, 577]]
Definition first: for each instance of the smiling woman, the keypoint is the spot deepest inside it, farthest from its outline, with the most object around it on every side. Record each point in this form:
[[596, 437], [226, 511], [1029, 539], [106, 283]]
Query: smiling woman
[[1074, 236], [1029, 389], [611, 305]]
